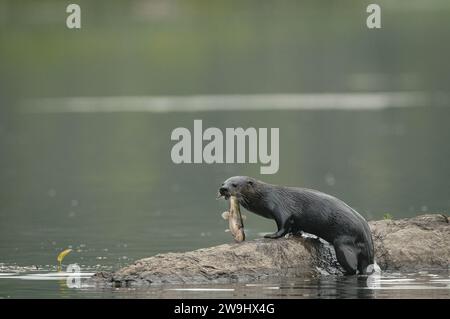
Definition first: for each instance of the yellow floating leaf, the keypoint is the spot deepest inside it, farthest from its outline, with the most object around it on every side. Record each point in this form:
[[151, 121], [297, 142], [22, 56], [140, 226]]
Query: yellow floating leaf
[[63, 254]]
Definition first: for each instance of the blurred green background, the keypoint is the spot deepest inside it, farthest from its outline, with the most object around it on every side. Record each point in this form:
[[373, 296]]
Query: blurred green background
[[104, 183], [205, 47]]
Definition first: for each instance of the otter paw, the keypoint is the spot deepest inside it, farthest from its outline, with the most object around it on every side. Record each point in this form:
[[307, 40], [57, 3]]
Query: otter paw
[[280, 233], [226, 215], [272, 236]]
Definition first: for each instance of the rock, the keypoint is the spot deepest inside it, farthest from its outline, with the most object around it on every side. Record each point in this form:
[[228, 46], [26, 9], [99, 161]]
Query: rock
[[412, 244], [406, 244]]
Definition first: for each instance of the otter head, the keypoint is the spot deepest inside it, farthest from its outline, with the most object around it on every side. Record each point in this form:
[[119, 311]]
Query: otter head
[[242, 187]]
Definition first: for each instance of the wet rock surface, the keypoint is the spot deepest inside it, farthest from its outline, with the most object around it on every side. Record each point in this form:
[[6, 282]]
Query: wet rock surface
[[413, 243]]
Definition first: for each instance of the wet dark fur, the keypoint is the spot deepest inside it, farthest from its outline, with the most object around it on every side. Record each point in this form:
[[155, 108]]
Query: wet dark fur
[[307, 210]]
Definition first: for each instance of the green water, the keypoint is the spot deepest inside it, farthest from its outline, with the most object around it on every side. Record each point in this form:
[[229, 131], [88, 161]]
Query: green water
[[104, 184], [426, 284]]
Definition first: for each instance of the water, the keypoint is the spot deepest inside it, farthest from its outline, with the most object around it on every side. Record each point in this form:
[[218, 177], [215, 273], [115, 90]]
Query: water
[[86, 118], [425, 284], [103, 184]]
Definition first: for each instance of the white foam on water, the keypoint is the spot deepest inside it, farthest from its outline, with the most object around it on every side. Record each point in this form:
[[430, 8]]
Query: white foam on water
[[255, 285], [45, 276]]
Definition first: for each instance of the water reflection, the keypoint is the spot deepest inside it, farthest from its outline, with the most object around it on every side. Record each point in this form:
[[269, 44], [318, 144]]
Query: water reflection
[[428, 284]]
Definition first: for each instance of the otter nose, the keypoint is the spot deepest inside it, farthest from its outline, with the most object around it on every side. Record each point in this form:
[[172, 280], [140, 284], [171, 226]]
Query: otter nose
[[223, 189]]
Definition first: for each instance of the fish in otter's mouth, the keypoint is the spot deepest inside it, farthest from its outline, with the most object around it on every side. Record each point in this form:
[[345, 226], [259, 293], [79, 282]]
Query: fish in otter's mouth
[[233, 215]]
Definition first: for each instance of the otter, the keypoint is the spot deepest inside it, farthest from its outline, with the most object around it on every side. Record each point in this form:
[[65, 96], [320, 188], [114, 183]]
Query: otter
[[298, 210]]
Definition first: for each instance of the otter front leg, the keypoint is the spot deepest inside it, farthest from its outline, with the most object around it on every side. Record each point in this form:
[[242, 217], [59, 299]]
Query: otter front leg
[[283, 229], [282, 232]]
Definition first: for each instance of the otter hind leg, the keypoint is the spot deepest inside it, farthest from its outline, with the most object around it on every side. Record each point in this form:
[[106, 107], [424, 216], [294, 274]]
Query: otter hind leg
[[363, 260], [347, 256], [362, 266]]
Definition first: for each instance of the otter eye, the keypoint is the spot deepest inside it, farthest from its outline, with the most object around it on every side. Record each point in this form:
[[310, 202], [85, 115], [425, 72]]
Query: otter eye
[[234, 185], [250, 183]]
